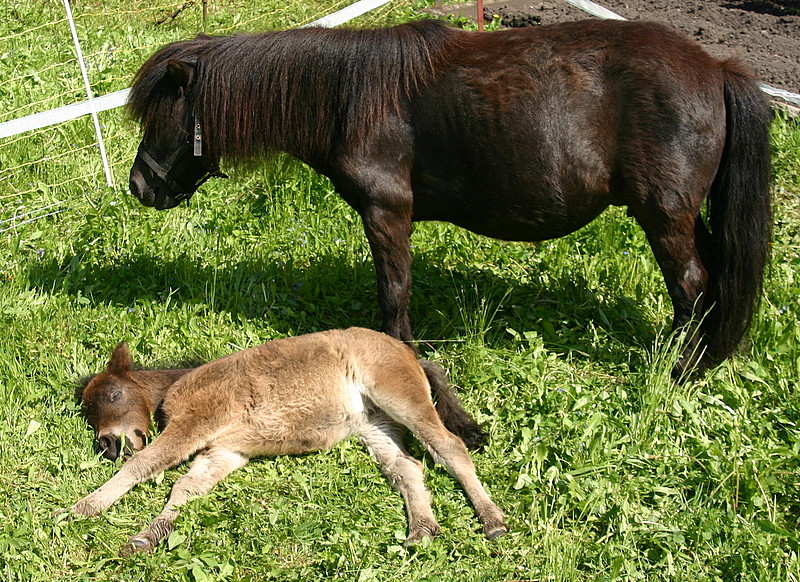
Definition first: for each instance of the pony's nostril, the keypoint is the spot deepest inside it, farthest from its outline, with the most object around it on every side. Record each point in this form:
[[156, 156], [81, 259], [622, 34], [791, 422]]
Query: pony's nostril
[[136, 184], [109, 446], [139, 188]]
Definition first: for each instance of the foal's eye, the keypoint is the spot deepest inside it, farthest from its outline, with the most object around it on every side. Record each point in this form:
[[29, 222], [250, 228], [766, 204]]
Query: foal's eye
[[114, 395]]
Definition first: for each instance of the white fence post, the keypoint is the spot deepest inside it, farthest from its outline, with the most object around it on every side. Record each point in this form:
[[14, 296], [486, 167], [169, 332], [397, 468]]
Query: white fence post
[[89, 96]]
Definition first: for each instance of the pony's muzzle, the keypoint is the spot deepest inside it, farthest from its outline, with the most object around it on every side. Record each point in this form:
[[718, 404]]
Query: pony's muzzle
[[156, 197]]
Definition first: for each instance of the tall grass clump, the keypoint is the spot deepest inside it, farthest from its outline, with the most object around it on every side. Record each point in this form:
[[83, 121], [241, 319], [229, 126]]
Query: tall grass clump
[[605, 467]]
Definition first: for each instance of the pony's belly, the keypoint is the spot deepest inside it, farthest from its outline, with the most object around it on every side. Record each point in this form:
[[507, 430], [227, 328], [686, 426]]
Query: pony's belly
[[508, 218], [506, 228]]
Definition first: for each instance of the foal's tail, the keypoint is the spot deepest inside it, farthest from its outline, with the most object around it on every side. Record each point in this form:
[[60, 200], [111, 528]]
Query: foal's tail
[[740, 216], [453, 415]]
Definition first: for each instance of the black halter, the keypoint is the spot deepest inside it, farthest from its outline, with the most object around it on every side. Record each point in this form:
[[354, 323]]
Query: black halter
[[195, 144]]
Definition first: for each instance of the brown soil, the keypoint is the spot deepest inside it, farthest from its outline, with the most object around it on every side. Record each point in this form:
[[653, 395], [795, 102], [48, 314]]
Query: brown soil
[[763, 33]]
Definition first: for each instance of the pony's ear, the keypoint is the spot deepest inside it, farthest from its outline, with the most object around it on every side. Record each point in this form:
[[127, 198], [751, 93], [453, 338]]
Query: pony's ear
[[181, 72], [120, 362]]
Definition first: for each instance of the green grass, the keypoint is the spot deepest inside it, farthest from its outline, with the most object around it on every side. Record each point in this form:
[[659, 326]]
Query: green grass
[[605, 468]]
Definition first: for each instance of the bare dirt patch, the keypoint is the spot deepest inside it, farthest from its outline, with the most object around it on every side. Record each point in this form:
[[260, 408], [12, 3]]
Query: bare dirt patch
[[765, 34]]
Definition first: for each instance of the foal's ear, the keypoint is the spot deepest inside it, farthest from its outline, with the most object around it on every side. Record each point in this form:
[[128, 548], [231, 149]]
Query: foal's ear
[[121, 361], [181, 72]]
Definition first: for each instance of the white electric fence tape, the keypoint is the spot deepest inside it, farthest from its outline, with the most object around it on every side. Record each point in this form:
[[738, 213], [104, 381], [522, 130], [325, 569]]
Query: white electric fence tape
[[785, 95], [61, 114], [119, 98], [595, 9], [347, 13]]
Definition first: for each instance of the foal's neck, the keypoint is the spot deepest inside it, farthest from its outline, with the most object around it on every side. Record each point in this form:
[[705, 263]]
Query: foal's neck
[[157, 383]]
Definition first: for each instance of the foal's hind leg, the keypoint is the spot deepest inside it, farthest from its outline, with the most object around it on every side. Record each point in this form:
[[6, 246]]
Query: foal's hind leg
[[207, 469], [414, 409], [383, 439], [450, 451]]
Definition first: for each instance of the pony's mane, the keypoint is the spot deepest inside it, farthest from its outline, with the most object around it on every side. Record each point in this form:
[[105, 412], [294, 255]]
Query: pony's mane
[[296, 90]]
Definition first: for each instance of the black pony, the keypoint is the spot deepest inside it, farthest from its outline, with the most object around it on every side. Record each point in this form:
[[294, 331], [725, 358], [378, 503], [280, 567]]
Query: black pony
[[525, 134]]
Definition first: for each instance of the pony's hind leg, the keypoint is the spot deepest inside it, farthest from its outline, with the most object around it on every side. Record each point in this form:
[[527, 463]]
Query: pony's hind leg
[[207, 469], [383, 440], [680, 247]]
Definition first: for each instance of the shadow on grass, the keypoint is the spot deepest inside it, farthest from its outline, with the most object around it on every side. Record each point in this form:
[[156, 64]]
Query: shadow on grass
[[446, 306]]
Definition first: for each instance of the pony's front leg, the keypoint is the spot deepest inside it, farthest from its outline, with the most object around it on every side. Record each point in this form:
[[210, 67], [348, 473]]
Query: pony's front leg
[[208, 469], [388, 231]]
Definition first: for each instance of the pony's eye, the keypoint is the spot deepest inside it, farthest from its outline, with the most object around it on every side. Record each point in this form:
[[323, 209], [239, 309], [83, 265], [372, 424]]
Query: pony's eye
[[114, 395]]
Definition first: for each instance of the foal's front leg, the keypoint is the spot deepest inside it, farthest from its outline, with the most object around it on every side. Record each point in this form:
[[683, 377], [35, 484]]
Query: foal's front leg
[[207, 469], [160, 455]]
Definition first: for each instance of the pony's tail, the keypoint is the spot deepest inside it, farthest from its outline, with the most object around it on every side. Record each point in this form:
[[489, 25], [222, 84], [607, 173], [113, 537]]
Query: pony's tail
[[453, 415], [740, 216]]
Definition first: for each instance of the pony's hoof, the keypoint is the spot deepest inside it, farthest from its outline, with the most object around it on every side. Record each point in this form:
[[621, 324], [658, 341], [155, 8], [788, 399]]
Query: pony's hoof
[[137, 544]]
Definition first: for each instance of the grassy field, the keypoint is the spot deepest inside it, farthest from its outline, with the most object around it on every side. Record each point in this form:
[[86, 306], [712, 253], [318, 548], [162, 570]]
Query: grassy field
[[606, 470]]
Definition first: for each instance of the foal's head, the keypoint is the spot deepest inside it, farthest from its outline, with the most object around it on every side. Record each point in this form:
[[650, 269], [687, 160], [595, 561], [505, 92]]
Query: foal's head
[[117, 408]]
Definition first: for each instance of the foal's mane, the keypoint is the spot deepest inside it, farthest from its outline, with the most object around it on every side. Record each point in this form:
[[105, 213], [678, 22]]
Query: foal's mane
[[296, 90]]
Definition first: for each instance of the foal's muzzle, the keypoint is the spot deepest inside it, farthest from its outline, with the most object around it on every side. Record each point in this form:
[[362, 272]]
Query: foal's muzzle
[[114, 447]]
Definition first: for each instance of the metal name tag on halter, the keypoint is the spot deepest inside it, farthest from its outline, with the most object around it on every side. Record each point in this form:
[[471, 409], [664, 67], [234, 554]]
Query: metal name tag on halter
[[163, 170]]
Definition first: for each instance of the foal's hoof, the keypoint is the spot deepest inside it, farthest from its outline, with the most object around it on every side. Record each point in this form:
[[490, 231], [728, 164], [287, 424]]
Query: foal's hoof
[[83, 508], [421, 532], [494, 530], [62, 515], [67, 515], [137, 544]]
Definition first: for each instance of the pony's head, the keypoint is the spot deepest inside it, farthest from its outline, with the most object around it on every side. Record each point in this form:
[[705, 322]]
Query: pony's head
[[117, 408], [172, 160]]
